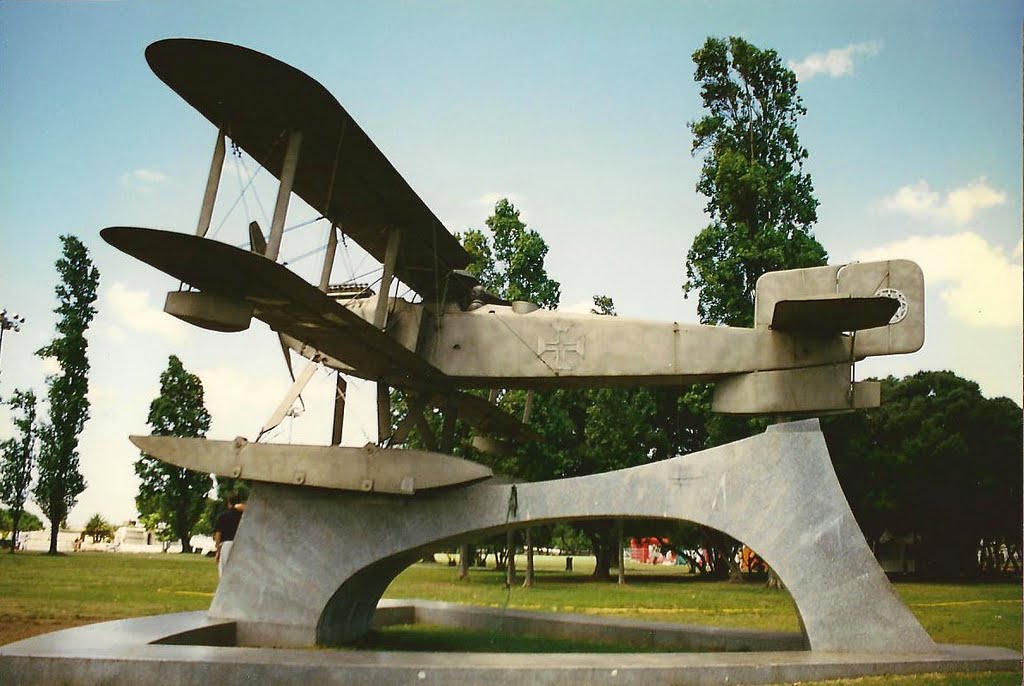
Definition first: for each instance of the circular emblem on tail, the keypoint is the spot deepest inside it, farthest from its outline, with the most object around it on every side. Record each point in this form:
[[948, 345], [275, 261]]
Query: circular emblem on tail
[[901, 311]]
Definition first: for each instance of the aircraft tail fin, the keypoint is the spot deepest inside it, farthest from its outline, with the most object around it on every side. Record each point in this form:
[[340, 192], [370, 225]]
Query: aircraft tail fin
[[848, 298]]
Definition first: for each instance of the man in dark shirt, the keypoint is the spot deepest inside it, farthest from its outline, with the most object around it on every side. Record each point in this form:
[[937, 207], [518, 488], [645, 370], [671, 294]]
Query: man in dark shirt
[[224, 530]]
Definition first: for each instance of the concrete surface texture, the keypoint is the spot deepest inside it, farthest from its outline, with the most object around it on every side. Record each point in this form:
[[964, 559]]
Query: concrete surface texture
[[322, 587], [191, 648]]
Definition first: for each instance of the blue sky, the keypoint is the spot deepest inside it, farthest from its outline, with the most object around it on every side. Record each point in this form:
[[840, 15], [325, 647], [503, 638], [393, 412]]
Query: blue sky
[[575, 110]]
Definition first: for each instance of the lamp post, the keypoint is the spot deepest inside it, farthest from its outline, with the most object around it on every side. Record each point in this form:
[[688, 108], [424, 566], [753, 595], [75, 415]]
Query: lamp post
[[12, 321]]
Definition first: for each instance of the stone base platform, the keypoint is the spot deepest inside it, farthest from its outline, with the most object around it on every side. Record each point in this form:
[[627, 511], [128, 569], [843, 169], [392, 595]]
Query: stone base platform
[[190, 647]]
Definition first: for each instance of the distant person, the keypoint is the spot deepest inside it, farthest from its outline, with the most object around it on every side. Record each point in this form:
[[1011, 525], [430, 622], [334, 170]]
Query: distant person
[[224, 530]]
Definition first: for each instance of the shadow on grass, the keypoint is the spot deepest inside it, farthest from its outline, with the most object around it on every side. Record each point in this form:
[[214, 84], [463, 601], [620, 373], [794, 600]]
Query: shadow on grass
[[634, 578], [444, 639]]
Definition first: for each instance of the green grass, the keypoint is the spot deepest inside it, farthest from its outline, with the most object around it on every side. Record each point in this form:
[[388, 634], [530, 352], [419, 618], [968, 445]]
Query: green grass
[[654, 593], [40, 593], [981, 614]]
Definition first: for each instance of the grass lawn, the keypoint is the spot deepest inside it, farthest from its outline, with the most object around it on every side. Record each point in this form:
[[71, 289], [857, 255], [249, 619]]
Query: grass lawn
[[40, 594]]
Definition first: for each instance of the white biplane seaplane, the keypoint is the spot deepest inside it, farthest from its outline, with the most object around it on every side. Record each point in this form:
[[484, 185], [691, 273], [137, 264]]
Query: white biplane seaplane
[[811, 325]]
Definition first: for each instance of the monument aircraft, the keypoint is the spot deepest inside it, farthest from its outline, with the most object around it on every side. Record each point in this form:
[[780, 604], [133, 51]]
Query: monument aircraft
[[366, 514], [811, 325]]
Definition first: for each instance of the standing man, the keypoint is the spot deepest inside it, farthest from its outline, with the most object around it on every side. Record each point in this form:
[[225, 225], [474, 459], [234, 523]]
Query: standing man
[[224, 530]]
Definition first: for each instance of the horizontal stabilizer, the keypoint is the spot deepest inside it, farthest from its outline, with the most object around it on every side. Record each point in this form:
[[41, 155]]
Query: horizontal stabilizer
[[832, 314], [369, 469], [883, 301]]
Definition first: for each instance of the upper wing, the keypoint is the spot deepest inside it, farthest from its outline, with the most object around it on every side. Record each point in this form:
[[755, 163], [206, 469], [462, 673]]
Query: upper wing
[[281, 298], [257, 100]]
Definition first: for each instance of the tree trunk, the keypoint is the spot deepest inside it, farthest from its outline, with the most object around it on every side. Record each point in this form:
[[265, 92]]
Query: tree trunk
[[510, 558], [774, 581], [600, 540], [735, 573], [182, 531], [620, 555], [603, 564], [465, 559], [54, 528], [15, 520], [528, 581]]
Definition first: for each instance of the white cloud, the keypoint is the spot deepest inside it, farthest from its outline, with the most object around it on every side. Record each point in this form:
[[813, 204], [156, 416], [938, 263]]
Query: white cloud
[[836, 62], [240, 400], [957, 206], [143, 179], [149, 176], [977, 281], [131, 309]]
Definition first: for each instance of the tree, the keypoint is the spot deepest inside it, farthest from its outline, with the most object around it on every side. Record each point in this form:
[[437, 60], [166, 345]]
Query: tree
[[18, 455], [173, 495], [938, 462], [760, 201], [511, 263], [60, 481], [99, 528]]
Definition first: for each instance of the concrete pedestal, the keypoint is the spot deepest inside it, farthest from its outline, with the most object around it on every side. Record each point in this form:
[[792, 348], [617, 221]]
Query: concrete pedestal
[[309, 565]]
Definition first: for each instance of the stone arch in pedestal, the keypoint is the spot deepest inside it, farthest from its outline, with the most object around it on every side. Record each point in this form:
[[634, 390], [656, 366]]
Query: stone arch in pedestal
[[309, 565]]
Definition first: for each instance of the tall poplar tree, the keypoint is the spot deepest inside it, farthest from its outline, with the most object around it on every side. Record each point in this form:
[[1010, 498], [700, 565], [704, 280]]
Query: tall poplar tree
[[760, 200], [60, 481], [177, 496]]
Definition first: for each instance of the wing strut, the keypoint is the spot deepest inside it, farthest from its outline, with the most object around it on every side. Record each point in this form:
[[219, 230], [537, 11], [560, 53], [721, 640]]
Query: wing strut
[[212, 184], [332, 249], [383, 413], [415, 409], [390, 260], [289, 399], [284, 193], [340, 389]]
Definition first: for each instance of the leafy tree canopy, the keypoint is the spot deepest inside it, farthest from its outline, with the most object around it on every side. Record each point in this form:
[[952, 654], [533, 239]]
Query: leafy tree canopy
[[510, 263], [17, 458], [937, 461], [29, 522], [98, 528], [760, 200], [169, 494], [60, 481]]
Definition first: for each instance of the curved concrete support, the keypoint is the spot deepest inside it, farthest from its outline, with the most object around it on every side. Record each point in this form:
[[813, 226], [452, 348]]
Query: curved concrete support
[[309, 565]]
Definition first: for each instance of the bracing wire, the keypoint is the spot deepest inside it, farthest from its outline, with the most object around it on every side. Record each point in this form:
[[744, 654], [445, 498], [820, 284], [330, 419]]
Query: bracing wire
[[239, 171], [259, 203], [288, 229], [231, 209]]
